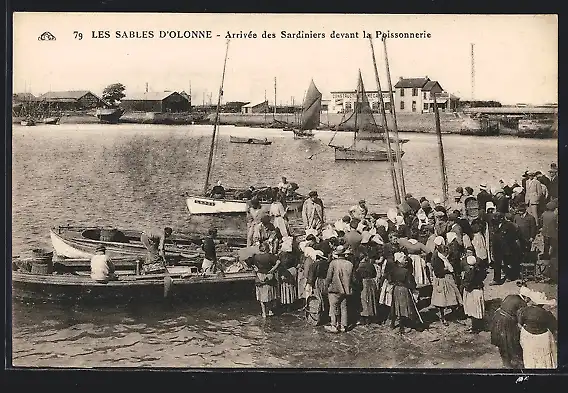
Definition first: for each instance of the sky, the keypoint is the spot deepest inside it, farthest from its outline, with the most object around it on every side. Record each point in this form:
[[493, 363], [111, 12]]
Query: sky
[[515, 56]]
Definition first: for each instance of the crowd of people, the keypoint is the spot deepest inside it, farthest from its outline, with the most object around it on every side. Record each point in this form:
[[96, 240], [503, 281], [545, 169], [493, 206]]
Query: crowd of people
[[368, 268]]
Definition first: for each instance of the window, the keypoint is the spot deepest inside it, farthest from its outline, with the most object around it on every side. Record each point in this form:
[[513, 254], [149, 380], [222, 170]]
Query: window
[[347, 107], [424, 95], [413, 106], [414, 92], [401, 105], [426, 106], [402, 92]]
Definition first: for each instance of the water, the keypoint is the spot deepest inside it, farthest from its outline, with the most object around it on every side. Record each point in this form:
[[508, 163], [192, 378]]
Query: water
[[132, 176]]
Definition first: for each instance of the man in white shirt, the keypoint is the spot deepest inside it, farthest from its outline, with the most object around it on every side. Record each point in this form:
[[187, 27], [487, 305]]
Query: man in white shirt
[[102, 268], [285, 187]]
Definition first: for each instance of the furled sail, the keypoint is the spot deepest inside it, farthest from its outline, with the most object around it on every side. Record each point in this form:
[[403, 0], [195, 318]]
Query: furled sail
[[311, 109]]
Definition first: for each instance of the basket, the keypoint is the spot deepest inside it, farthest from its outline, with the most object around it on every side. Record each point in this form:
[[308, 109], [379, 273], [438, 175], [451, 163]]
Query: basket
[[108, 234], [42, 267], [42, 255]]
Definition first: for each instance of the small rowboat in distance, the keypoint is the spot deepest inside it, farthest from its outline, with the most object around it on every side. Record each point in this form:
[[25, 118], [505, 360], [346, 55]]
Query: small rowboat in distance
[[188, 286], [250, 141], [51, 120], [80, 242]]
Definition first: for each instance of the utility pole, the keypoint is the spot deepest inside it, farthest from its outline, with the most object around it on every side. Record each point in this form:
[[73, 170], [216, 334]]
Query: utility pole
[[472, 74], [274, 98], [443, 174]]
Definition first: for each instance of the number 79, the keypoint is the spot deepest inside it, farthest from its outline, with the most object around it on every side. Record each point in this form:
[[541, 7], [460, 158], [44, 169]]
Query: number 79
[[78, 35]]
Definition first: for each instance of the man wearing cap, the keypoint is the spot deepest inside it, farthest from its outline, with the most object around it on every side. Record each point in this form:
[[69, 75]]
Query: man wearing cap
[[102, 268], [359, 211], [534, 191], [338, 282], [553, 187], [312, 212], [527, 228], [506, 251], [210, 258], [483, 197]]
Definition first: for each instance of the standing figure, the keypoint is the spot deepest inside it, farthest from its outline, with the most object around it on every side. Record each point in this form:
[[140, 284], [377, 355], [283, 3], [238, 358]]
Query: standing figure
[[338, 281], [403, 303], [278, 214], [312, 213], [506, 250], [550, 231], [538, 330], [210, 259], [473, 299], [288, 279], [366, 274], [254, 214], [154, 240], [284, 187], [533, 194], [359, 211], [527, 227], [505, 332], [445, 292], [553, 187], [265, 265]]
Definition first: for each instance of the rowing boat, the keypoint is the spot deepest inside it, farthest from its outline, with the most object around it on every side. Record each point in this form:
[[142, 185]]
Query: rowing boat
[[81, 242], [250, 141], [79, 288]]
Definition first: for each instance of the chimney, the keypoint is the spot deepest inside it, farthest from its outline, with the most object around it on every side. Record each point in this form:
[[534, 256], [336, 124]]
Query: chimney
[[427, 77], [400, 78]]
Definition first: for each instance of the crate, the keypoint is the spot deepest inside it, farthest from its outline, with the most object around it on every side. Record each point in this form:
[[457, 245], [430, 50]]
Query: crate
[[41, 267]]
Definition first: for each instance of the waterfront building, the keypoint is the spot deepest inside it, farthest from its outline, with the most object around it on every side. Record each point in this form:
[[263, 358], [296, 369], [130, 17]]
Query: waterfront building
[[157, 101], [255, 107], [344, 101], [415, 95], [72, 100]]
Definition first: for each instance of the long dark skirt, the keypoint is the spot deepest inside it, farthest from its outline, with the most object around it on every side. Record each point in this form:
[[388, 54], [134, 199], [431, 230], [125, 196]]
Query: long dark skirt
[[403, 304], [505, 335], [369, 298]]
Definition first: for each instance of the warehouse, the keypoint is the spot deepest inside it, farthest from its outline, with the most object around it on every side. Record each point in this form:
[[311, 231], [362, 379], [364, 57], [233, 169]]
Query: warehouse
[[159, 101], [72, 100]]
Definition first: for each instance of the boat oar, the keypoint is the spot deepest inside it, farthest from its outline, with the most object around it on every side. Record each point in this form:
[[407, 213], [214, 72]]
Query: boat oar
[[168, 280]]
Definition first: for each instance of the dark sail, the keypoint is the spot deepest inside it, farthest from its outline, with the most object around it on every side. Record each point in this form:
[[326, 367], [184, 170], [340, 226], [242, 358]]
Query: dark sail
[[311, 108], [362, 120]]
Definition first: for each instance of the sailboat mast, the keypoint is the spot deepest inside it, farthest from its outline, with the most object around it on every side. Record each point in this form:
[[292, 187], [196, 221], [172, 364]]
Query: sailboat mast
[[440, 150], [274, 98], [216, 123], [387, 137], [356, 108], [395, 125]]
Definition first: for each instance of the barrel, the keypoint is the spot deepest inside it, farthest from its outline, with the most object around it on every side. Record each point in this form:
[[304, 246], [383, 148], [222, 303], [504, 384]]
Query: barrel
[[108, 234], [43, 261]]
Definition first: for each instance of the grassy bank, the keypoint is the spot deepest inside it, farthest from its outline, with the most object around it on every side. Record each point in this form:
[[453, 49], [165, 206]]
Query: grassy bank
[[407, 122]]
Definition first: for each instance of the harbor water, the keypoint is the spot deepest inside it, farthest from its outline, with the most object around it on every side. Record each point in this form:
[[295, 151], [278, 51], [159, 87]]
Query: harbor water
[[132, 176]]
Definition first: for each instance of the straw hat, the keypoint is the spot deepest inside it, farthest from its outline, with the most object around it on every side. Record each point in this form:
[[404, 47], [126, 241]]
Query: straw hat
[[451, 236], [366, 236], [399, 257], [524, 292], [439, 240], [377, 239], [471, 260], [489, 205]]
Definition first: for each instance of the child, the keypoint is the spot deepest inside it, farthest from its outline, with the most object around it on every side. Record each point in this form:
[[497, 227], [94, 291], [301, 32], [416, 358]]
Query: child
[[473, 299], [479, 244]]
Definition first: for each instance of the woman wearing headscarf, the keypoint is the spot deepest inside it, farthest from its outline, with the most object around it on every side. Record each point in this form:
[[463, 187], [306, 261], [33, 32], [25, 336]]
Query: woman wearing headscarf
[[416, 253], [366, 273], [473, 299], [445, 292], [538, 329], [454, 255], [307, 257], [278, 214], [288, 279], [315, 283], [265, 265], [505, 331], [403, 303], [385, 285], [254, 214], [421, 227]]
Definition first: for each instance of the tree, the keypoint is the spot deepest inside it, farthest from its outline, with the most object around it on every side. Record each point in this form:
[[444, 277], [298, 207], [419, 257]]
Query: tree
[[114, 93]]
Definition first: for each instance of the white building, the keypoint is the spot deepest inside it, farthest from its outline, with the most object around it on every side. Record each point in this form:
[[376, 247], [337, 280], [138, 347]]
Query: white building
[[344, 101], [415, 95]]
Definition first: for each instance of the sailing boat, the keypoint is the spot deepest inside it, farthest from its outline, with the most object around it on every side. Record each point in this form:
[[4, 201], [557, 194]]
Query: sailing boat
[[311, 111], [49, 119], [231, 203], [369, 142]]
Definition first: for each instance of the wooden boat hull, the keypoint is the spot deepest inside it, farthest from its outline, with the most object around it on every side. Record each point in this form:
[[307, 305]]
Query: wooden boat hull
[[250, 141], [204, 205], [535, 128], [482, 127], [81, 242], [110, 116], [348, 154], [299, 134], [65, 288], [27, 123], [51, 120]]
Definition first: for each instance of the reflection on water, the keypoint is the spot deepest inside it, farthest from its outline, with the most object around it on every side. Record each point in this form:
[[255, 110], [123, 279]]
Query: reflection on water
[[132, 176]]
